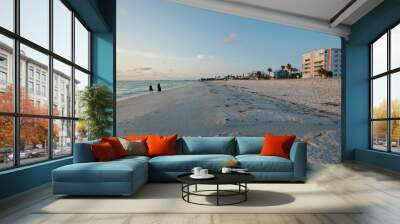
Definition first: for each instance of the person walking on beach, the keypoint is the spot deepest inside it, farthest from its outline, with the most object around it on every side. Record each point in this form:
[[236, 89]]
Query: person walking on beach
[[150, 88], [158, 87]]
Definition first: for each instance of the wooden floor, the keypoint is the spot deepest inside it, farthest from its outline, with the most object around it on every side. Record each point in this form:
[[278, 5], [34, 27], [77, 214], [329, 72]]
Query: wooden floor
[[377, 188]]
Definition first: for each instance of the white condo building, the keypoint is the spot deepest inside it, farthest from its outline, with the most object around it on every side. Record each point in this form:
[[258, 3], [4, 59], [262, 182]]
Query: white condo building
[[326, 58]]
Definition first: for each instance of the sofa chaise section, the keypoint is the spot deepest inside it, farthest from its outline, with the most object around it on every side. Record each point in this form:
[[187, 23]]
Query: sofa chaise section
[[87, 177], [101, 178]]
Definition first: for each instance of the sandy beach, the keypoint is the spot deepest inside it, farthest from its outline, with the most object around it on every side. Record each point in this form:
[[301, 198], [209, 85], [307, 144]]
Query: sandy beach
[[309, 108]]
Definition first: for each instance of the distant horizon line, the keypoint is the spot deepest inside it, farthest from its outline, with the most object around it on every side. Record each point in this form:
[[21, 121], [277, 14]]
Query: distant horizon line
[[158, 79]]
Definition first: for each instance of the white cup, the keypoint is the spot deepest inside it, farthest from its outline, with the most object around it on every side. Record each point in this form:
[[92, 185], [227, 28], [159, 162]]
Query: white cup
[[203, 172], [226, 170], [196, 171]]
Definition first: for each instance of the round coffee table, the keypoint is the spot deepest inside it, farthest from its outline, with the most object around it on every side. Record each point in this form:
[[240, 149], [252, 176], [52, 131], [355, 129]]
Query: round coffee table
[[238, 179]]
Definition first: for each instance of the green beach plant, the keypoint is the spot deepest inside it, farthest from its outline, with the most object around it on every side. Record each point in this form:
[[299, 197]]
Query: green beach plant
[[96, 102]]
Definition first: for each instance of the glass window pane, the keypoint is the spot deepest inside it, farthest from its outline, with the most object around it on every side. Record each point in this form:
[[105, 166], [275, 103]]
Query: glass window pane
[[379, 135], [62, 89], [6, 74], [379, 56], [81, 45], [62, 29], [395, 94], [395, 136], [34, 72], [6, 142], [62, 137], [81, 131], [33, 139], [7, 14], [379, 98], [81, 81], [395, 47], [35, 21]]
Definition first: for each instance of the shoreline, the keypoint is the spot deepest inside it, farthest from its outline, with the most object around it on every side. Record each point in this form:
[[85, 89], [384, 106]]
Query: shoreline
[[154, 92]]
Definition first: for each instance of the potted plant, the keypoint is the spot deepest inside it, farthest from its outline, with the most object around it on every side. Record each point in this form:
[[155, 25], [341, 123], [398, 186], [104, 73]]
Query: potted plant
[[96, 102]]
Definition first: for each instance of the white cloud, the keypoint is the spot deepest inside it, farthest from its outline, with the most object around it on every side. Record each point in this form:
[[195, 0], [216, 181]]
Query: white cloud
[[139, 69], [231, 38], [205, 57]]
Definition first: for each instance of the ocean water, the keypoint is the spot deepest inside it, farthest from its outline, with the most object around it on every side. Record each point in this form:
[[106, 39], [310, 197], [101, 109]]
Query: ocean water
[[131, 88]]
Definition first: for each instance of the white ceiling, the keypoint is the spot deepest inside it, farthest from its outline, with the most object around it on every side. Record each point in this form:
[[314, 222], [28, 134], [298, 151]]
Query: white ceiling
[[315, 15], [320, 9]]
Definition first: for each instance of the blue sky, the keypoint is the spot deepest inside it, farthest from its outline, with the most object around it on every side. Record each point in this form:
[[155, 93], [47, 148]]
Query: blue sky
[[158, 39]]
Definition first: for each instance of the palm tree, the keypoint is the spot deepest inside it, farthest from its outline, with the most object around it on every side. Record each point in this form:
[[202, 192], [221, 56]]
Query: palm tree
[[282, 67], [269, 70], [321, 72], [289, 67]]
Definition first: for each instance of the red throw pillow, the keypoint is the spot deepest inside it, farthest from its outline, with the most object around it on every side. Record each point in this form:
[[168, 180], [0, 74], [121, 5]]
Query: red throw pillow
[[116, 145], [103, 152], [136, 137], [275, 145], [161, 145]]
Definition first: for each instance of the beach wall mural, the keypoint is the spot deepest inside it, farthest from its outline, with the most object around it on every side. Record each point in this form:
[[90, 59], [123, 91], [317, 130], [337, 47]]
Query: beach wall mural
[[200, 73]]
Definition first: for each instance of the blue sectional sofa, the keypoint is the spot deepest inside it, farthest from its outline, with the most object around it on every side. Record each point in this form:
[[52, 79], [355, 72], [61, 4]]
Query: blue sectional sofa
[[125, 176]]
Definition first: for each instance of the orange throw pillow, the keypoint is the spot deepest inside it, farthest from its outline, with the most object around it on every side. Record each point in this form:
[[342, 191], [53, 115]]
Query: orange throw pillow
[[116, 145], [275, 145], [142, 138], [161, 145], [103, 152]]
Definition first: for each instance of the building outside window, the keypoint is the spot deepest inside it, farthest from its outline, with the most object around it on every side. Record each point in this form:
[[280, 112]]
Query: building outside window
[[30, 87], [37, 75], [30, 72], [43, 90], [34, 75], [38, 89], [44, 77], [3, 78], [3, 61]]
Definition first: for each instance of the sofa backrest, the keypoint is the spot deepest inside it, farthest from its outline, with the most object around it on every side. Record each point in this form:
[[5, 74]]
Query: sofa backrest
[[207, 145], [191, 146], [249, 145], [83, 152]]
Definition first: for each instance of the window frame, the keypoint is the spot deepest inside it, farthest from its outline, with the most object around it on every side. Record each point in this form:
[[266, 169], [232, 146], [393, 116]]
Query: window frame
[[388, 74], [16, 114]]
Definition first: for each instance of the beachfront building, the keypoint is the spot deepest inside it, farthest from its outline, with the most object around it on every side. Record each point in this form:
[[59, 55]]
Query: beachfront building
[[326, 58], [286, 73]]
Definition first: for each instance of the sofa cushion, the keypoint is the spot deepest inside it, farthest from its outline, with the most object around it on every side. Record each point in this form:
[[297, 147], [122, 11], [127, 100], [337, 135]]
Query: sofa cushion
[[134, 147], [208, 145], [112, 171], [161, 145], [116, 145], [103, 152], [257, 163], [136, 137], [185, 163], [277, 145], [249, 145]]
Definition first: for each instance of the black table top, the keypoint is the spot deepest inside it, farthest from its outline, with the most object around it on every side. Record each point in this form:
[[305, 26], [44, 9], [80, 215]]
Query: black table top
[[220, 178]]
